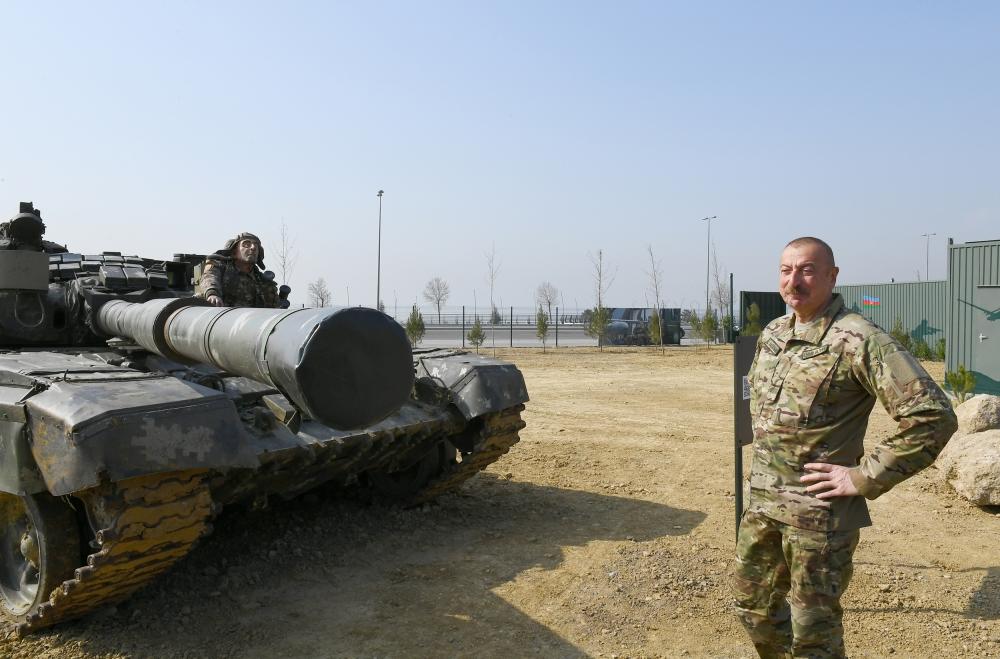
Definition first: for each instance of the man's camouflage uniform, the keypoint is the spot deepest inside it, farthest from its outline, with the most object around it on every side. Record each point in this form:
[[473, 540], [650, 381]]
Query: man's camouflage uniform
[[813, 387], [221, 277]]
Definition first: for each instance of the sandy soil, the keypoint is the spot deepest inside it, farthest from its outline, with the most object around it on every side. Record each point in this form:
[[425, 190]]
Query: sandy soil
[[608, 531]]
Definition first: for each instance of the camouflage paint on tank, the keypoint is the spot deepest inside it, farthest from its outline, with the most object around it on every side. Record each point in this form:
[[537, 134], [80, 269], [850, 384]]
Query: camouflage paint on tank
[[94, 421]]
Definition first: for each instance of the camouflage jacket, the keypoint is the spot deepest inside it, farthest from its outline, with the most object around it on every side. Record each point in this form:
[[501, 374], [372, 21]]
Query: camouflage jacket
[[237, 289], [812, 388]]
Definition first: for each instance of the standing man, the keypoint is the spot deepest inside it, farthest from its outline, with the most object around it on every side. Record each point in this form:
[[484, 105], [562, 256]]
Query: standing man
[[814, 380], [233, 277]]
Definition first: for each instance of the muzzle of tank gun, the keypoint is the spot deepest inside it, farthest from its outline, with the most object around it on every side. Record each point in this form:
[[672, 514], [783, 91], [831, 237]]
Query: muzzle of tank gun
[[347, 369]]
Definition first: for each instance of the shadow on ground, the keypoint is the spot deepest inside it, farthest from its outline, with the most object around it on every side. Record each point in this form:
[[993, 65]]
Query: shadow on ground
[[331, 577], [983, 603]]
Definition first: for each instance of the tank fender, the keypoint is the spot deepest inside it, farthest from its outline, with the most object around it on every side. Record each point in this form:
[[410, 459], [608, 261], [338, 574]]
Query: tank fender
[[478, 385], [18, 472], [83, 431]]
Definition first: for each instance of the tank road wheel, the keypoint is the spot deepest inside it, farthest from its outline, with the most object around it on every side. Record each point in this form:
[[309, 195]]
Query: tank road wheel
[[39, 549], [402, 484]]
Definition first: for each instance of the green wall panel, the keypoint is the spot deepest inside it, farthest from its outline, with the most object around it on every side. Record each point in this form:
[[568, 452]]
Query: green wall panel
[[921, 306], [973, 280]]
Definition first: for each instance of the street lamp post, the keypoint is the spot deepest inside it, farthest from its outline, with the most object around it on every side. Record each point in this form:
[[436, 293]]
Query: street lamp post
[[927, 256], [708, 256], [378, 266]]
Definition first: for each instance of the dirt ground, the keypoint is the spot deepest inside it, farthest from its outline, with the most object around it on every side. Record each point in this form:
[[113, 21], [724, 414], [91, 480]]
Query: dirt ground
[[608, 531]]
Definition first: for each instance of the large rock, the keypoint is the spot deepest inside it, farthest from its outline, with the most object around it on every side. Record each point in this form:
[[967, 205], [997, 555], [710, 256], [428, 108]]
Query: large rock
[[971, 464], [979, 413]]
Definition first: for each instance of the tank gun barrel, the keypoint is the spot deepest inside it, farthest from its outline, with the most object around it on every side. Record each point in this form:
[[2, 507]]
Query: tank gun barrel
[[347, 369]]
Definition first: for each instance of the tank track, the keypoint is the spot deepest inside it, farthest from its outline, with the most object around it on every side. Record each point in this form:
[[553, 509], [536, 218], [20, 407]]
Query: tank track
[[149, 523], [146, 525], [497, 434]]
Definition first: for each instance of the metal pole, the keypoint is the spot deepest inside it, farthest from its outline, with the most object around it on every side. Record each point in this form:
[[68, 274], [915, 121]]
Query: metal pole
[[512, 327], [732, 318], [737, 454], [378, 267], [927, 256], [557, 327], [463, 325]]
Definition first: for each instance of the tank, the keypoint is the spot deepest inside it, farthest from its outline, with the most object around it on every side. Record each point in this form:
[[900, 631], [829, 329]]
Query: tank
[[131, 414]]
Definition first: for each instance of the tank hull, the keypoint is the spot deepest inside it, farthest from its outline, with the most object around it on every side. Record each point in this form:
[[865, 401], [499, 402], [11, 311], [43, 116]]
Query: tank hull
[[204, 439]]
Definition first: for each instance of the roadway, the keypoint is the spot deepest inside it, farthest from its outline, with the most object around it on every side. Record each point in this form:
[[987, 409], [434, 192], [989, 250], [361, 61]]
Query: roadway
[[450, 336]]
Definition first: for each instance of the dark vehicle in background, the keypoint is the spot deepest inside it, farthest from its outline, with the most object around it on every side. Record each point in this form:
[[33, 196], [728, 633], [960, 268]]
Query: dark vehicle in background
[[630, 326], [131, 413]]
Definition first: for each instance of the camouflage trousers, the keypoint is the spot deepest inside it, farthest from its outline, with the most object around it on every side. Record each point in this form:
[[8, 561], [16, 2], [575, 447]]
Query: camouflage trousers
[[788, 583]]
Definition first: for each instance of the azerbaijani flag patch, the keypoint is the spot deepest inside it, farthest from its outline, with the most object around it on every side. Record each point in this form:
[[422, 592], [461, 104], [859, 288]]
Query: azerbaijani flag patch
[[870, 301]]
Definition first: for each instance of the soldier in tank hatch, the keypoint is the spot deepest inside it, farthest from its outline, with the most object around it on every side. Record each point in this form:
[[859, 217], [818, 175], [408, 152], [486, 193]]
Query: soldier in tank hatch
[[235, 277], [814, 381], [25, 231]]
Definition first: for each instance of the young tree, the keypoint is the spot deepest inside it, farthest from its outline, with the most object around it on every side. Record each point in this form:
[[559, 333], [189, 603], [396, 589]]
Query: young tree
[[415, 326], [436, 292], [961, 382], [751, 324], [721, 295], [655, 281], [476, 336], [727, 328], [285, 253], [655, 334], [709, 326], [495, 317], [542, 326], [492, 270], [597, 325], [319, 293], [902, 336], [921, 350], [602, 283], [694, 320], [546, 295]]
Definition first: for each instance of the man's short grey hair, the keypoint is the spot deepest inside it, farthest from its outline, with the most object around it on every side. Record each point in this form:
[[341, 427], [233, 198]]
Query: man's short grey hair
[[809, 240]]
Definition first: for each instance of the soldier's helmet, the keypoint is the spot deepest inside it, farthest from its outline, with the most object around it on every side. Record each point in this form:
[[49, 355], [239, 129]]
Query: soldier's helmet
[[24, 230], [232, 242]]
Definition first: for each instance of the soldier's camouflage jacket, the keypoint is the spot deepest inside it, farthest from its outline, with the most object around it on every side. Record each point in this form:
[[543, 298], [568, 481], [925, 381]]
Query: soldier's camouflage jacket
[[812, 389], [237, 289]]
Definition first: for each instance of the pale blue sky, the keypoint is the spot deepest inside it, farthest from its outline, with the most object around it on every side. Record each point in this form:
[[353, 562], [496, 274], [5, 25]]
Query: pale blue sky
[[550, 129]]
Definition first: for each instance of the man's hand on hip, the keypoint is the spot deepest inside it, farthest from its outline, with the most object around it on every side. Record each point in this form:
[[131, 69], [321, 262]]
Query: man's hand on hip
[[829, 480]]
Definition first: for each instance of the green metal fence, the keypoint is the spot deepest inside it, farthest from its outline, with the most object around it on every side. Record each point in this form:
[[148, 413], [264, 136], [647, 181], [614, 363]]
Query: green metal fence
[[921, 306]]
